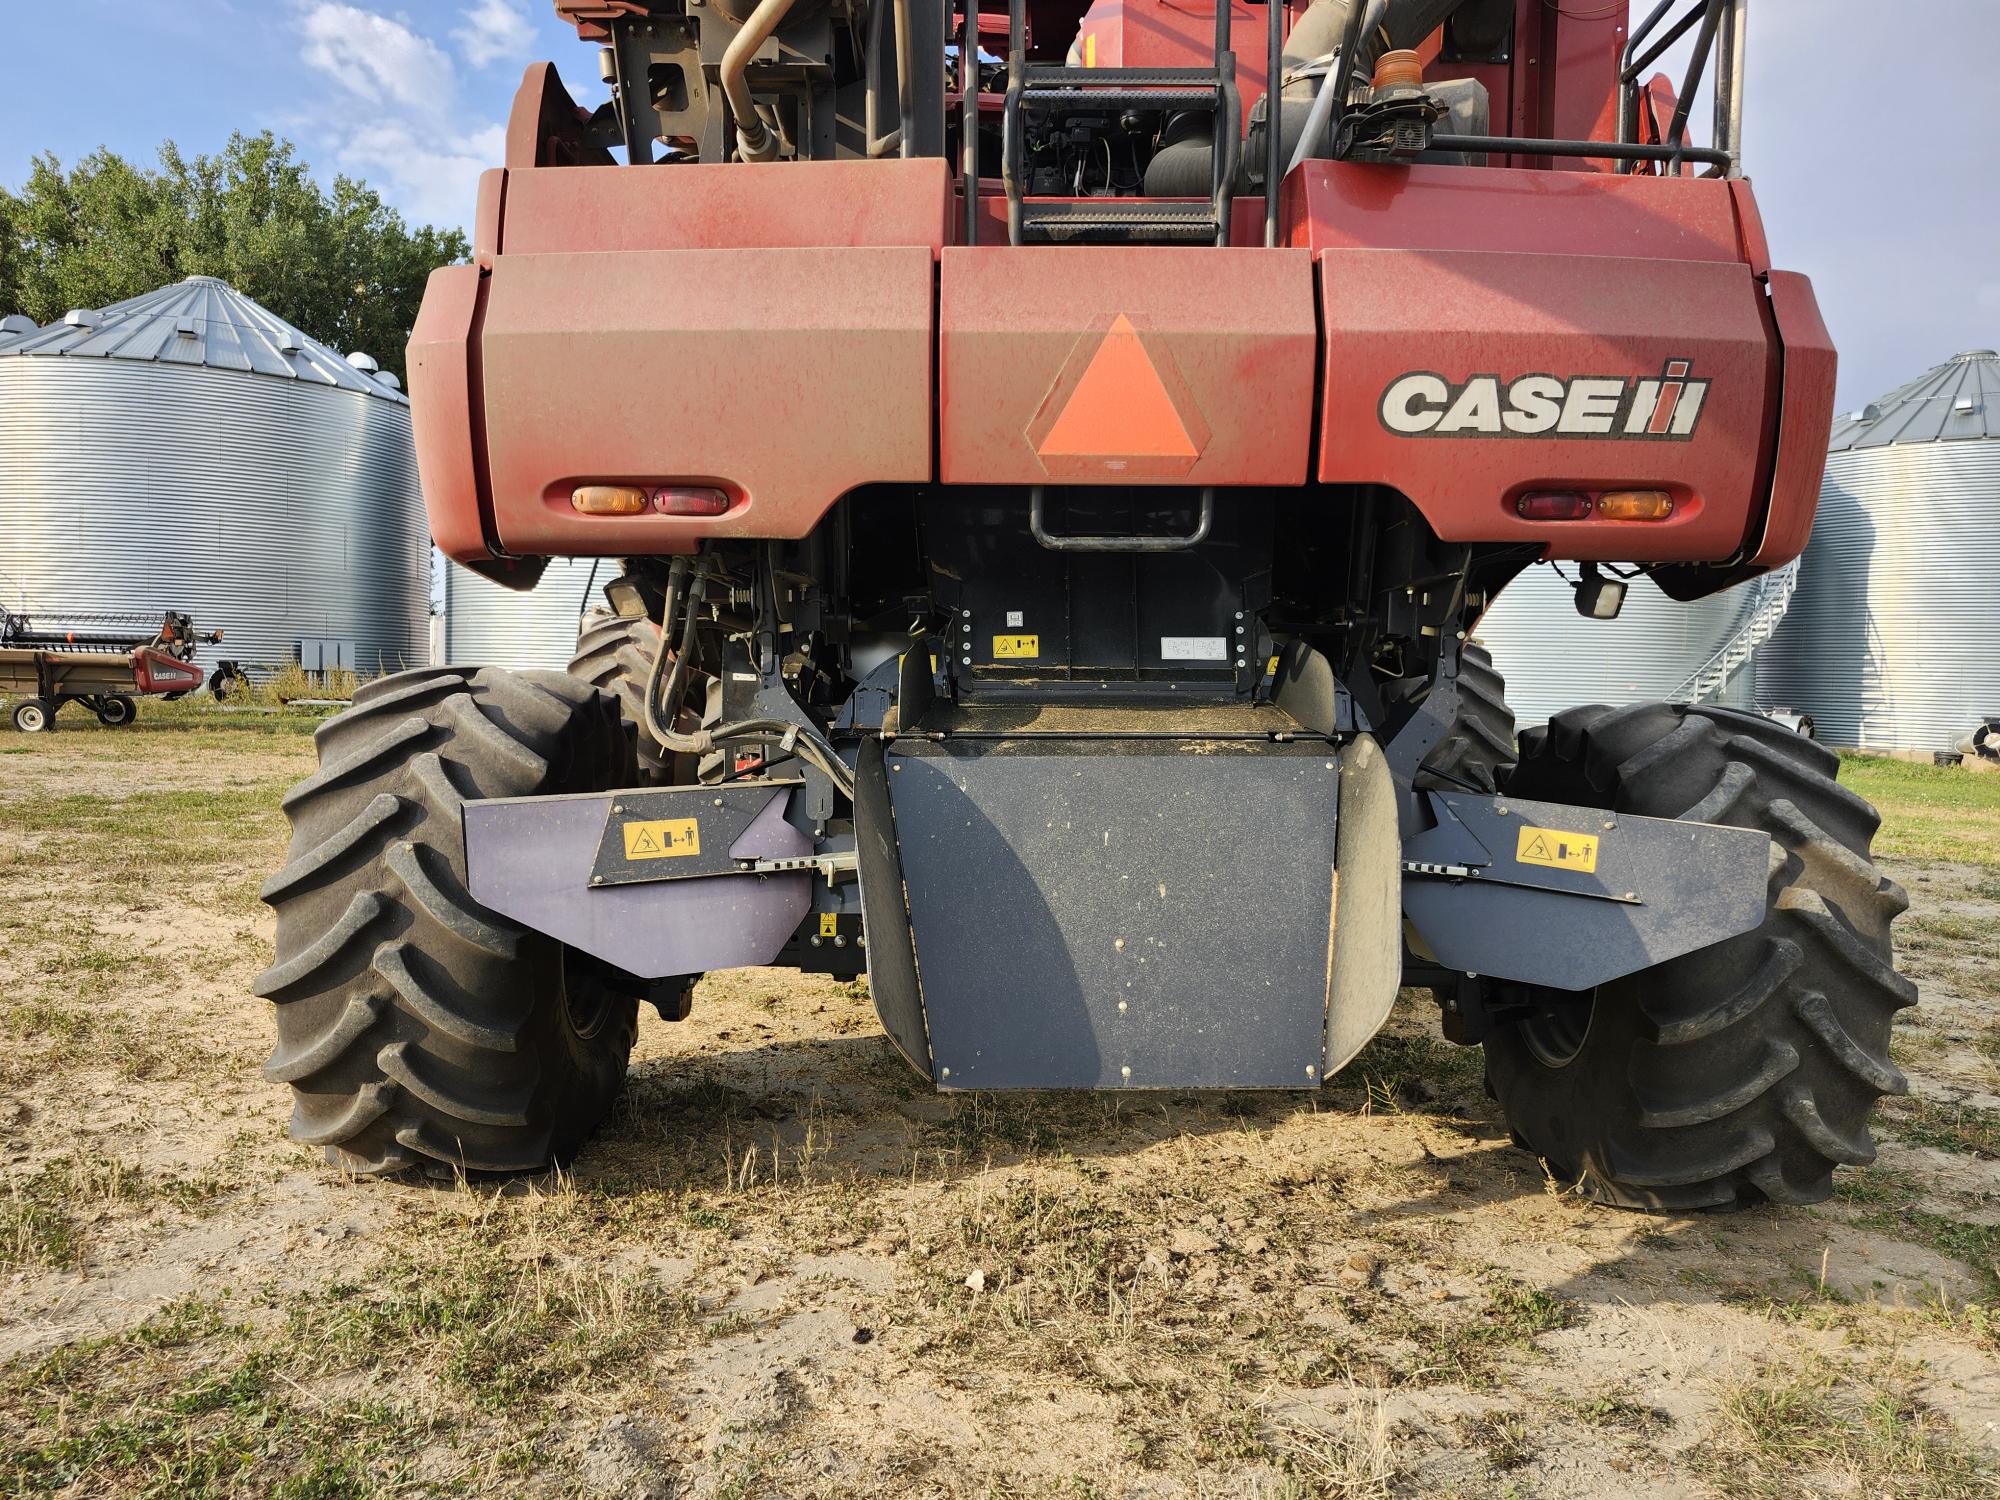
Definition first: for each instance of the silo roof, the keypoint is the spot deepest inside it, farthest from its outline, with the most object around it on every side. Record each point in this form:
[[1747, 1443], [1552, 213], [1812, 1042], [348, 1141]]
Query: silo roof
[[200, 321], [1953, 402]]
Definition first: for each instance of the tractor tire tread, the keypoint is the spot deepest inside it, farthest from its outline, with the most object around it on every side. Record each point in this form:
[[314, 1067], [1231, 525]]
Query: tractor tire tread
[[1478, 748], [614, 654], [1746, 1070], [416, 1028]]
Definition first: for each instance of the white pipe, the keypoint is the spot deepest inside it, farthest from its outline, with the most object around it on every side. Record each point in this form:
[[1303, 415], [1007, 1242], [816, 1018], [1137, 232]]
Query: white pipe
[[753, 141]]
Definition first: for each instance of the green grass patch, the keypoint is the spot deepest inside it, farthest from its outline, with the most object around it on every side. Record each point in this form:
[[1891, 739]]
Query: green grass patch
[[1950, 927], [1948, 1127], [1799, 1432], [1929, 813], [494, 1328], [39, 1224], [191, 1404]]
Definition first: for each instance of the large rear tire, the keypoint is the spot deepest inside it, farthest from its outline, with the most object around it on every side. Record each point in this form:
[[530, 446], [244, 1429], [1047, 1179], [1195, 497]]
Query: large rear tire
[[615, 656], [1746, 1070], [415, 1027], [1479, 747]]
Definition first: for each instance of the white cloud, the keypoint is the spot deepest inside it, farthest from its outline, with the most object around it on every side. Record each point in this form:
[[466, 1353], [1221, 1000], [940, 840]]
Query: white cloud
[[433, 181], [409, 138], [494, 30], [377, 58]]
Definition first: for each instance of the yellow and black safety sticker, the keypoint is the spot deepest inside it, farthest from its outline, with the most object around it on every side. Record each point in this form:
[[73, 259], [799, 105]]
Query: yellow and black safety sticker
[[1557, 848], [1016, 647], [829, 923], [664, 838]]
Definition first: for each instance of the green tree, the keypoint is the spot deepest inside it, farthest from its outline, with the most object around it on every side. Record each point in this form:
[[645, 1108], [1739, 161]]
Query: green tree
[[341, 264]]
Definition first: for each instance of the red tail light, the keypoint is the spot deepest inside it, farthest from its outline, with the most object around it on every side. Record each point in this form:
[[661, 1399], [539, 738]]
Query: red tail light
[[690, 501], [1555, 505]]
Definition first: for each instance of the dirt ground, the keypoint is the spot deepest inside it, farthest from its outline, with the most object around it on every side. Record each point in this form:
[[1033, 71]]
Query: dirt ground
[[786, 1269]]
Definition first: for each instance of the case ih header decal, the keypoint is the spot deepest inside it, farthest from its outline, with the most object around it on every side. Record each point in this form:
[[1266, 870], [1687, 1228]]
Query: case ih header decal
[[1664, 408]]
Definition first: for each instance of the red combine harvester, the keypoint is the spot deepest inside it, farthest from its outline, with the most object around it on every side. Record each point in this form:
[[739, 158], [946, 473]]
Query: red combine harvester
[[1053, 506]]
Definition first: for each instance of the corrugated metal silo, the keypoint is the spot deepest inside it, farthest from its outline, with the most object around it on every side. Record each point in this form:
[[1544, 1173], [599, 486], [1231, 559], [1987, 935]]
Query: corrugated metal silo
[[1892, 644], [1554, 659], [486, 625], [189, 449]]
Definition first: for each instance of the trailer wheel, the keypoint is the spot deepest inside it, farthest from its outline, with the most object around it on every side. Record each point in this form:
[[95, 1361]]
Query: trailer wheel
[[615, 655], [416, 1028], [34, 716], [1746, 1070], [1479, 746], [115, 710]]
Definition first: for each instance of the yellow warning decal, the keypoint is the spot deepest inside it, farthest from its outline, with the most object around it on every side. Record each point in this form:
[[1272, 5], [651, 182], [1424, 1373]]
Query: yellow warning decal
[[667, 838], [829, 923], [1557, 848], [1090, 49], [1016, 647]]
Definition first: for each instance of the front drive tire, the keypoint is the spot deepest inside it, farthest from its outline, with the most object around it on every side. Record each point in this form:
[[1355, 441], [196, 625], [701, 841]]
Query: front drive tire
[[1478, 749], [1746, 1070], [416, 1028], [615, 655]]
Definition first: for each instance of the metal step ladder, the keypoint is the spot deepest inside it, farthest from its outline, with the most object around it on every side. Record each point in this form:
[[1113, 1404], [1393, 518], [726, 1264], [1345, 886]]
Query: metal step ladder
[[1772, 597], [1114, 220]]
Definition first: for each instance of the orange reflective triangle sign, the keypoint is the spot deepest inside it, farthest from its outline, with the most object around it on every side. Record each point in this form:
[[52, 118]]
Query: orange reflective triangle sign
[[1121, 408]]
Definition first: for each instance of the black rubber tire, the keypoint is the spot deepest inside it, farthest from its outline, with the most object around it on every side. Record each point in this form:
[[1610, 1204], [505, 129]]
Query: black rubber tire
[[615, 655], [1746, 1070], [415, 1027], [34, 716], [1478, 749], [117, 710]]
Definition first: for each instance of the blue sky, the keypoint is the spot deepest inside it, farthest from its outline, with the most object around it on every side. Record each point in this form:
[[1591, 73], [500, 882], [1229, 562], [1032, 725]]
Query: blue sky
[[1874, 179]]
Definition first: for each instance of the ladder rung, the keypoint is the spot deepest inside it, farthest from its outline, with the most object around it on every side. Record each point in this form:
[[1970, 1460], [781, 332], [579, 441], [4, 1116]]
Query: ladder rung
[[1210, 98], [1162, 78], [1119, 220]]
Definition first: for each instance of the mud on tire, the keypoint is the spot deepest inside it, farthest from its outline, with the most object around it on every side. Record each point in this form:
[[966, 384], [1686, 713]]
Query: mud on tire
[[1479, 746], [1745, 1070], [615, 656], [415, 1027]]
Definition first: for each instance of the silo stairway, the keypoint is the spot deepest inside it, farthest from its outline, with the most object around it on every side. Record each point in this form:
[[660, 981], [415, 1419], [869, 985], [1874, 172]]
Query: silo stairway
[[1771, 596]]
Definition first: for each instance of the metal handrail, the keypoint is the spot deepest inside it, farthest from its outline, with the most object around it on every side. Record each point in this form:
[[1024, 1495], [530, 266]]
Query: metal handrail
[[1723, 24], [1767, 610], [1038, 528], [1274, 65], [968, 83]]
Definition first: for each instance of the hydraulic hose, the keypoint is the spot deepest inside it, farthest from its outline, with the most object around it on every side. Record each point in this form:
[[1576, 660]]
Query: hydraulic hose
[[675, 682], [665, 686], [754, 141]]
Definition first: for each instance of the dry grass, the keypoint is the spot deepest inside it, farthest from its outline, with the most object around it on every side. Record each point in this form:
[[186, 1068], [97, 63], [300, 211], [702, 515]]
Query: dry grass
[[1816, 1427], [787, 1269]]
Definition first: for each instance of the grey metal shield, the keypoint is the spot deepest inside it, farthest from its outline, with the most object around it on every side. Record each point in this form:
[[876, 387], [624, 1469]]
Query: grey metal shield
[[1104, 914]]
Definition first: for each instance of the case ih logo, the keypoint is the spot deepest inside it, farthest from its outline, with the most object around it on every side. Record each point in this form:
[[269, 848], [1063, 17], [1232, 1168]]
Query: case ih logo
[[1662, 408]]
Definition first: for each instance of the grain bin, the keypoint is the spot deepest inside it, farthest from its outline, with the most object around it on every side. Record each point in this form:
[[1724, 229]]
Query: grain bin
[[1658, 648], [486, 625], [1891, 645], [189, 449]]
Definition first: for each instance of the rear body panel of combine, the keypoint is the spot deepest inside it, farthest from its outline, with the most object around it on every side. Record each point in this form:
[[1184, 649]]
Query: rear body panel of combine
[[1121, 548]]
